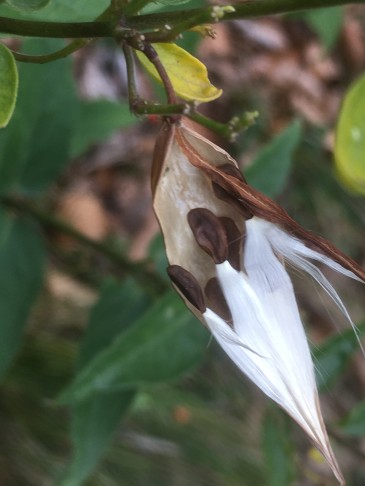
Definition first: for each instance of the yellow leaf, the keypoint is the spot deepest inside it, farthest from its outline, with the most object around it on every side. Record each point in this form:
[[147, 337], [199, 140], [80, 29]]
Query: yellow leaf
[[350, 138], [188, 75]]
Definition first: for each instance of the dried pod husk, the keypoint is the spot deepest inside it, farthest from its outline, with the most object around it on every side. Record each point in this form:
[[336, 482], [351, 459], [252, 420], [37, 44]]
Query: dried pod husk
[[256, 203], [228, 245], [181, 188]]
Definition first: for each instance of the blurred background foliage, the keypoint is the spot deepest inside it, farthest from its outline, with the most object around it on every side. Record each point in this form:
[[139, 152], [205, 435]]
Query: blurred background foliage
[[107, 378]]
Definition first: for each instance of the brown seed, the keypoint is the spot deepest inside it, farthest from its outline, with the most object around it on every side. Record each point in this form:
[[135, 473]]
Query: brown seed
[[216, 300], [235, 242], [233, 201], [188, 286], [209, 233], [232, 170]]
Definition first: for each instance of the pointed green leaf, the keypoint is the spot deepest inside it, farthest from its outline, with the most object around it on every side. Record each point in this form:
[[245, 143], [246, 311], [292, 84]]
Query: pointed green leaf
[[8, 85], [97, 120], [188, 75], [35, 146], [117, 309], [332, 357], [164, 343], [28, 4], [22, 256], [350, 138], [327, 23], [354, 423], [57, 10], [270, 170], [278, 450], [93, 423], [96, 418]]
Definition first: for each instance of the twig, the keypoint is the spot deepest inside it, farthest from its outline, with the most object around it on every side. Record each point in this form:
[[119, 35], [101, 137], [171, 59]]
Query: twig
[[76, 30], [151, 22], [243, 10], [53, 56], [151, 54], [149, 279]]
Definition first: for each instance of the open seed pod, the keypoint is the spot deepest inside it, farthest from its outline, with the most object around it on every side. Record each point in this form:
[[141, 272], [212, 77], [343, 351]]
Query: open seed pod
[[227, 245]]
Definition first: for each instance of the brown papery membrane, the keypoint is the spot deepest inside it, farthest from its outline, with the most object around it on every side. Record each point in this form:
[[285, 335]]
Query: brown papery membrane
[[161, 150], [216, 300], [188, 286], [225, 196], [264, 207], [232, 170], [235, 242], [209, 233]]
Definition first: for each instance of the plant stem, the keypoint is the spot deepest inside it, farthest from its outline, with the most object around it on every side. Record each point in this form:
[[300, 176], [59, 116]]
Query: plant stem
[[53, 56], [149, 51], [132, 87], [246, 9], [150, 280], [167, 33], [77, 30]]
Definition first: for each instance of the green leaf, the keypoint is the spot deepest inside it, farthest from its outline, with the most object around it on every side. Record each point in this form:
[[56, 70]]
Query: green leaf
[[332, 357], [117, 308], [165, 343], [157, 254], [96, 418], [188, 76], [171, 5], [34, 148], [22, 256], [354, 423], [350, 138], [278, 450], [97, 120], [270, 170], [93, 424], [8, 85], [59, 10], [327, 23], [28, 4]]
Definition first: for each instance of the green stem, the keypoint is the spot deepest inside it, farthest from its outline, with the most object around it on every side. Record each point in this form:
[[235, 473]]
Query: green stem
[[133, 96], [168, 33], [42, 59], [151, 281], [249, 8], [151, 54], [143, 107], [77, 30], [228, 130], [112, 12], [246, 9]]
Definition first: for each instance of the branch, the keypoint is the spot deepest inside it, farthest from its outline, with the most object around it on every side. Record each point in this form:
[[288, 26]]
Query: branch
[[149, 279], [246, 9], [53, 56], [76, 30], [149, 51], [188, 18]]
